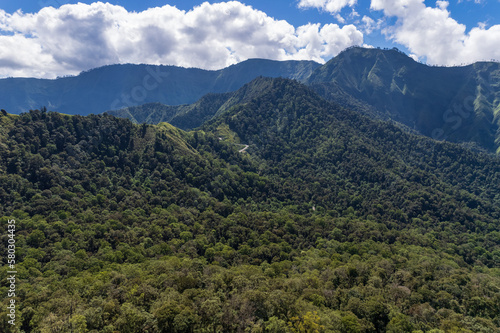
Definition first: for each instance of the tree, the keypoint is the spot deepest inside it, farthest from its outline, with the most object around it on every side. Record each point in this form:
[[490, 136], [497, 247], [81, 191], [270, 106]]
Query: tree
[[308, 323]]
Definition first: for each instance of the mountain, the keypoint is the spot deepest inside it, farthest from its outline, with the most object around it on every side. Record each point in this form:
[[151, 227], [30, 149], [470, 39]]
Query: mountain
[[117, 86], [289, 126], [459, 104], [328, 221], [190, 116]]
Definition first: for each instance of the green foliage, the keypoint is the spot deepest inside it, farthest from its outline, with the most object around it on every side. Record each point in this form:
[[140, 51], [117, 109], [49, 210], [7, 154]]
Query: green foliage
[[458, 104], [308, 323], [329, 222]]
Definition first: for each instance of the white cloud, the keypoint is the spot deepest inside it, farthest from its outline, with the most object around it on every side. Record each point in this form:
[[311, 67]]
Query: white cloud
[[369, 24], [413, 56], [339, 18], [77, 37], [354, 14], [331, 6], [432, 33], [475, 1], [442, 4]]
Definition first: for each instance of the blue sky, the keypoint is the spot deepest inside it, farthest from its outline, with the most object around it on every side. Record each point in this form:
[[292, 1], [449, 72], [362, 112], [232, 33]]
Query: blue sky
[[86, 34]]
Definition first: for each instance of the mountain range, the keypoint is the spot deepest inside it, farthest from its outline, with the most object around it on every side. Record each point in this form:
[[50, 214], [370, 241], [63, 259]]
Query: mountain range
[[282, 212], [117, 86], [458, 104]]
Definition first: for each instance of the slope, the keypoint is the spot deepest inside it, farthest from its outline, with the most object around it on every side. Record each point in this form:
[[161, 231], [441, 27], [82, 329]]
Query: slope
[[117, 86], [459, 104], [329, 219], [291, 127], [190, 116]]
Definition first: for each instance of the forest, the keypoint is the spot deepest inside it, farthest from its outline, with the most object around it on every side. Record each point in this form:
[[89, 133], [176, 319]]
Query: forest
[[329, 222]]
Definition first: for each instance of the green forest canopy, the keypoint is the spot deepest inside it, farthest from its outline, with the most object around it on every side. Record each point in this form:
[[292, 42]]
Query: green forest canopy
[[331, 223]]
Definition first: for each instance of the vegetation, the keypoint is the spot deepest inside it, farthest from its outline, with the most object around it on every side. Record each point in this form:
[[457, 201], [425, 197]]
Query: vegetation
[[329, 222], [119, 86], [186, 116], [458, 104]]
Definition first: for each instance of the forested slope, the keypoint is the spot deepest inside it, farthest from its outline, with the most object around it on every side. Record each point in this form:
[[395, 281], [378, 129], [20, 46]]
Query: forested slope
[[329, 221], [457, 104]]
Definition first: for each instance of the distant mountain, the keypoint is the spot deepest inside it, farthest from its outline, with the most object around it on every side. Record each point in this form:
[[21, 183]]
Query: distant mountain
[[185, 116], [118, 86], [459, 104]]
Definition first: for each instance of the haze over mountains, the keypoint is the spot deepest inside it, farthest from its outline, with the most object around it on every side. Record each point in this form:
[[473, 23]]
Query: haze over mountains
[[117, 86], [458, 104]]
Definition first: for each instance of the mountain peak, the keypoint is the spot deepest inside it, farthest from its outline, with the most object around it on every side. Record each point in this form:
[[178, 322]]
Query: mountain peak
[[356, 60], [458, 104], [371, 51]]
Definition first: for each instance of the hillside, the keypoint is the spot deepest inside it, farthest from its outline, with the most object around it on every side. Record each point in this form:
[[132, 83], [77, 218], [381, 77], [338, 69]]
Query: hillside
[[458, 104], [118, 86], [298, 134], [190, 116], [329, 220]]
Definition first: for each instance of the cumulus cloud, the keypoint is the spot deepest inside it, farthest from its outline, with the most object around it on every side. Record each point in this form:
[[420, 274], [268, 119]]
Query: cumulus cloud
[[431, 33], [77, 37], [369, 25], [332, 6]]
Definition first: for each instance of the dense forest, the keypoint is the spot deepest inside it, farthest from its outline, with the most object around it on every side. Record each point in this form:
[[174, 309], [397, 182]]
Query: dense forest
[[328, 222]]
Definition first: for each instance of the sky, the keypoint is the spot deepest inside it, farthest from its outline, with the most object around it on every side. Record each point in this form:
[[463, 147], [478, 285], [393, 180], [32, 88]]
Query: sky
[[53, 38]]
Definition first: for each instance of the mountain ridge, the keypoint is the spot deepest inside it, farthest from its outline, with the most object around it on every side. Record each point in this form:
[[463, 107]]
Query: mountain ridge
[[459, 104], [191, 116], [115, 86]]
